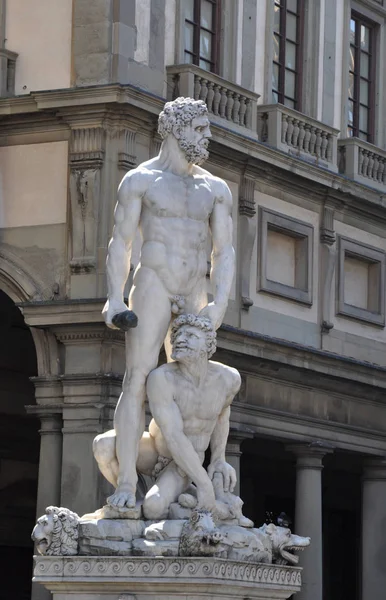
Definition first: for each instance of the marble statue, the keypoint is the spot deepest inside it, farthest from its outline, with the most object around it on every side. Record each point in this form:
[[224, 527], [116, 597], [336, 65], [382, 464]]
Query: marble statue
[[190, 512], [189, 399], [178, 207]]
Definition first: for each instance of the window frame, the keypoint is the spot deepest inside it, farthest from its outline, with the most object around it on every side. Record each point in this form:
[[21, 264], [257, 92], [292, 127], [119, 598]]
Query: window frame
[[361, 19], [301, 231], [370, 255], [197, 28], [298, 71]]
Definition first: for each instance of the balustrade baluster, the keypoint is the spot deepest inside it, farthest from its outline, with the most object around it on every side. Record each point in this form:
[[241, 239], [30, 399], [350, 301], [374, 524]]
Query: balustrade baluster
[[210, 96], [318, 142], [248, 113], [197, 87], [365, 163], [290, 131], [204, 90], [236, 109], [375, 167], [381, 169], [330, 141], [313, 140], [223, 102], [307, 138], [323, 147], [370, 166], [284, 127], [216, 99], [295, 134], [302, 133], [243, 108], [360, 160], [229, 107]]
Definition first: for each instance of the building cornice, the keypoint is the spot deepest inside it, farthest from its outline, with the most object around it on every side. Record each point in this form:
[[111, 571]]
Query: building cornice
[[55, 111], [79, 320]]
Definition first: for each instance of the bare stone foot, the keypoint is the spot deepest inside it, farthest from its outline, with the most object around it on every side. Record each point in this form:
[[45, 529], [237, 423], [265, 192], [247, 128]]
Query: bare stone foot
[[121, 499]]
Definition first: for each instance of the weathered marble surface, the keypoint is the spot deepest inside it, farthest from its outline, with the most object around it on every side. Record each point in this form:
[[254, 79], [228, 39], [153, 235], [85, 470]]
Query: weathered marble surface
[[138, 578]]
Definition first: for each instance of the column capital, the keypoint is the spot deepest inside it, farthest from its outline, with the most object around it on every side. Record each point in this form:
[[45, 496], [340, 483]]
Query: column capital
[[236, 437], [374, 469], [50, 417], [310, 454]]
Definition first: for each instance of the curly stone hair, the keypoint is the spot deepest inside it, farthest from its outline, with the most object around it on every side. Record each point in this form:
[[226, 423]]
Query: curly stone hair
[[64, 533], [201, 323], [179, 113]]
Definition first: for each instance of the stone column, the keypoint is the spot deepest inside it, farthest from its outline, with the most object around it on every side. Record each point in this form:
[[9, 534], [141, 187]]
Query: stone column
[[48, 391], [374, 530], [49, 398], [308, 514], [233, 452]]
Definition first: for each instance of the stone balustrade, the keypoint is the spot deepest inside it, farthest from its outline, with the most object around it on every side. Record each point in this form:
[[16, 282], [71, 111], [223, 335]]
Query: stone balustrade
[[363, 162], [299, 135], [228, 104]]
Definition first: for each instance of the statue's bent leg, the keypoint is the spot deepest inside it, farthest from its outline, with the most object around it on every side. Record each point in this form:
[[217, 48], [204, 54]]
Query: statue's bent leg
[[104, 448], [169, 486], [151, 304], [104, 452]]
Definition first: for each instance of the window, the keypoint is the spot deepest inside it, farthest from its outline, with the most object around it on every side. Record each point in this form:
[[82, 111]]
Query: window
[[287, 51], [286, 251], [202, 24], [361, 282], [361, 79]]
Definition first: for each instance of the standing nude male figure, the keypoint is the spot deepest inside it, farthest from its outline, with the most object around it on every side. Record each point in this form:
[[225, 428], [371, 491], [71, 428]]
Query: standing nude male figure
[[177, 206]]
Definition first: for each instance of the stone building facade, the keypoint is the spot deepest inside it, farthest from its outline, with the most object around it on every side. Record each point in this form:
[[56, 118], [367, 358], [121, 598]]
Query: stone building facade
[[81, 86]]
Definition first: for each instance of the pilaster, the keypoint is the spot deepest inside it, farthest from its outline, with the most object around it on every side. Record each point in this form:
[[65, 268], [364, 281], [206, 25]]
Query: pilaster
[[87, 153], [328, 255], [248, 230]]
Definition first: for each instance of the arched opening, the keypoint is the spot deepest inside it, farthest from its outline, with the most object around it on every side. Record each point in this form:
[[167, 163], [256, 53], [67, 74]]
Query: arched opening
[[19, 451]]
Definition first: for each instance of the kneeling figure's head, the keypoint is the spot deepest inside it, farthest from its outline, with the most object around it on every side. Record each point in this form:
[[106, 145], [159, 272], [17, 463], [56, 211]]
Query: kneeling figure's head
[[192, 337]]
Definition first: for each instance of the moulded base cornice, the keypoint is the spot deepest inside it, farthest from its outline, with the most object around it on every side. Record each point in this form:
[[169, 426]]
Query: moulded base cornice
[[166, 577]]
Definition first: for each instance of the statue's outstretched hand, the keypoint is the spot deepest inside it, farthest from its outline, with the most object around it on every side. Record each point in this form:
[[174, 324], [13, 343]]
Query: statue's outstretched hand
[[227, 471]]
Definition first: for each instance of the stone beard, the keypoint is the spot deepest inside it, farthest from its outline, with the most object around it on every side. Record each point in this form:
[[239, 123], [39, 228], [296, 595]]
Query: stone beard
[[195, 153]]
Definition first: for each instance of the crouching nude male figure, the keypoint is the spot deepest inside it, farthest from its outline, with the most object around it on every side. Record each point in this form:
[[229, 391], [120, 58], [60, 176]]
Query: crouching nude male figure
[[190, 402], [177, 207]]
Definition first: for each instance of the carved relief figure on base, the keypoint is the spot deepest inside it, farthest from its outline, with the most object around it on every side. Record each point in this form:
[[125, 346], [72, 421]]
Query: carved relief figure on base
[[190, 401], [177, 206]]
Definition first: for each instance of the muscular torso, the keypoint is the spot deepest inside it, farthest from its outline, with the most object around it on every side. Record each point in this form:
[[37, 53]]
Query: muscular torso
[[200, 408], [174, 226]]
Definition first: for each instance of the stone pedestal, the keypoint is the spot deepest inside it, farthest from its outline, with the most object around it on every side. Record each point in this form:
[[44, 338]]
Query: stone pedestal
[[373, 530], [137, 578]]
